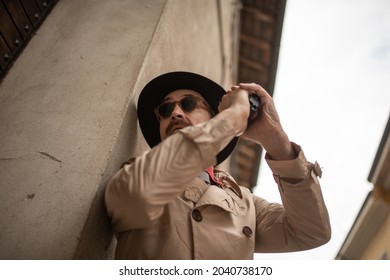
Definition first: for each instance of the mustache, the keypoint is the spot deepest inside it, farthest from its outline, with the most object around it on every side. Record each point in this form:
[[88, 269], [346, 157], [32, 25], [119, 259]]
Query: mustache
[[173, 123]]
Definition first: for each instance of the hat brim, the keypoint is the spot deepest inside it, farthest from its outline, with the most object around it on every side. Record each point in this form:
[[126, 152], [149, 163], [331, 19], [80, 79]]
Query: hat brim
[[155, 91]]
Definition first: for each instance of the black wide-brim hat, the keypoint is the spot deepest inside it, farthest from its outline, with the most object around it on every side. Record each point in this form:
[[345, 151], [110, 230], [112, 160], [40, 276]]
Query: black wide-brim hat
[[155, 91]]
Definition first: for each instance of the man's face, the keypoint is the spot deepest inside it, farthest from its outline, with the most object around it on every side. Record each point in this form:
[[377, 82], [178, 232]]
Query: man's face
[[180, 117]]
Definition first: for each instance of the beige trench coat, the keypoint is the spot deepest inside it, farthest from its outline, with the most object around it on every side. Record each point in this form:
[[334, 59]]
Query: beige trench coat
[[159, 209]]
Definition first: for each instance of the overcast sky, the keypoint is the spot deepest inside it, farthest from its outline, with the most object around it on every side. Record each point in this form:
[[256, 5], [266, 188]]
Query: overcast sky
[[333, 96]]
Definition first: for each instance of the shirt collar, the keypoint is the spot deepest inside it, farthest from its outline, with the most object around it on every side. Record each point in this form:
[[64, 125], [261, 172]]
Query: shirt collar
[[210, 171]]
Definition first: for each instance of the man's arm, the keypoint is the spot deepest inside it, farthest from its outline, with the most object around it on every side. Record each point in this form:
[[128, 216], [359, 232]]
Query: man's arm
[[302, 222], [136, 194]]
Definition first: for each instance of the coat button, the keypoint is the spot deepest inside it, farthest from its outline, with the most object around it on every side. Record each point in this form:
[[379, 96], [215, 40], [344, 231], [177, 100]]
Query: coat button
[[247, 231], [196, 215], [317, 169]]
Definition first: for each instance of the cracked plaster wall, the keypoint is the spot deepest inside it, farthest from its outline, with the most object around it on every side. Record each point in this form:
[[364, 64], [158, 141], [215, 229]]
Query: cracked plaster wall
[[67, 117]]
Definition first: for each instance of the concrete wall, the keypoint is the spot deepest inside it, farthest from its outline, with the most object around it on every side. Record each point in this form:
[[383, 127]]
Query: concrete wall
[[68, 118]]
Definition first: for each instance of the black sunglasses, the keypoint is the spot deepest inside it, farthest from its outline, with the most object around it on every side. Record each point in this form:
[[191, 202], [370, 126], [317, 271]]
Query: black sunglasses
[[187, 104]]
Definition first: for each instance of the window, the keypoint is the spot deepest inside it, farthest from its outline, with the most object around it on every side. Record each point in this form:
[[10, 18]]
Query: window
[[19, 19]]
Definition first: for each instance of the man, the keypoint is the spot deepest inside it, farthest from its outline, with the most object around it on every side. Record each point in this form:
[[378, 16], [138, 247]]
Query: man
[[171, 203]]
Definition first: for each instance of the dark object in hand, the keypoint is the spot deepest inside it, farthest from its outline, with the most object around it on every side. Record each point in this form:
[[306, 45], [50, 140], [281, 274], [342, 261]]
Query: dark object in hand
[[254, 104]]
